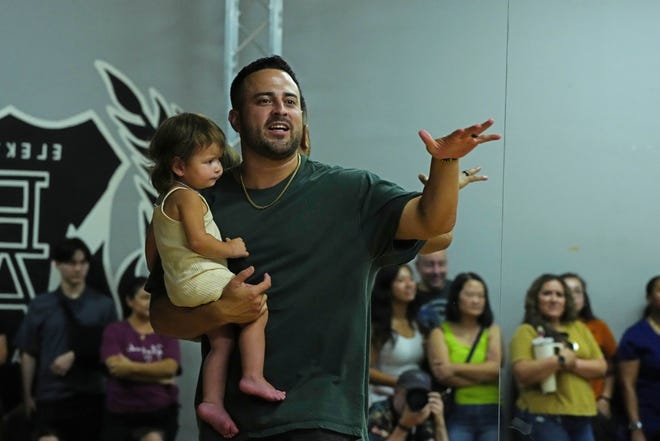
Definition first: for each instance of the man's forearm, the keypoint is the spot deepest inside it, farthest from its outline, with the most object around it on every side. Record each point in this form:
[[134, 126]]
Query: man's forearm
[[439, 201], [437, 243], [240, 303], [180, 322], [176, 321], [434, 212]]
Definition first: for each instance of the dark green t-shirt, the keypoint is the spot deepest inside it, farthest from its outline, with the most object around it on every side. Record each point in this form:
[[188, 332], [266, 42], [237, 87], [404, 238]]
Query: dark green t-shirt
[[322, 244]]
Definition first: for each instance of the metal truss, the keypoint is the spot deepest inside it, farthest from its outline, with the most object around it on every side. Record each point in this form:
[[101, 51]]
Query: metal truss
[[250, 32]]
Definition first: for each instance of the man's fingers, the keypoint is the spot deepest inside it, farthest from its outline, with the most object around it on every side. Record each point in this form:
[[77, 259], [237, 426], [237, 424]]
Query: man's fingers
[[477, 129], [243, 275], [486, 138], [427, 139], [486, 124], [264, 285], [423, 178]]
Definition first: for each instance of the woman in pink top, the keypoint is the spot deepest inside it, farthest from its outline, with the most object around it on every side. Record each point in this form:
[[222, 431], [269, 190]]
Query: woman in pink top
[[141, 393]]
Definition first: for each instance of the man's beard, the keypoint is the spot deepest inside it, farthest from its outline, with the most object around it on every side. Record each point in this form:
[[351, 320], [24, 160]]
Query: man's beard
[[271, 149]]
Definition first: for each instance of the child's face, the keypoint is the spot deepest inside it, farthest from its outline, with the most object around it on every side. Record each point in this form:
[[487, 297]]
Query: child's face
[[202, 169]]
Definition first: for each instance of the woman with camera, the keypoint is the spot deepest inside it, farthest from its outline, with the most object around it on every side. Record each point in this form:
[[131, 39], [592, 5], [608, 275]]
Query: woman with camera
[[465, 353], [553, 358]]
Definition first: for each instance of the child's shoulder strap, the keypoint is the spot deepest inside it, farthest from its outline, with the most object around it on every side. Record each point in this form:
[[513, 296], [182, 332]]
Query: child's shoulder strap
[[163, 196]]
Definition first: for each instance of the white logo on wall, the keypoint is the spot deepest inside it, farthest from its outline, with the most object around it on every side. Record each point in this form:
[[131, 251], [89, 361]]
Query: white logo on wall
[[76, 178]]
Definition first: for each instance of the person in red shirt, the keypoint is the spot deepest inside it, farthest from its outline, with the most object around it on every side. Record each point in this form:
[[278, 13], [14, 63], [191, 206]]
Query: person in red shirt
[[603, 387]]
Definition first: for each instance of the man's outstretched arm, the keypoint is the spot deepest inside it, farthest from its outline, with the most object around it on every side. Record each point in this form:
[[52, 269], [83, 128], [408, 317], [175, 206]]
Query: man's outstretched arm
[[443, 241], [240, 303], [434, 212]]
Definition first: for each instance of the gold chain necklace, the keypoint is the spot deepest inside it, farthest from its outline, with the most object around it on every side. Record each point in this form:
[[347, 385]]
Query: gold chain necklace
[[279, 196]]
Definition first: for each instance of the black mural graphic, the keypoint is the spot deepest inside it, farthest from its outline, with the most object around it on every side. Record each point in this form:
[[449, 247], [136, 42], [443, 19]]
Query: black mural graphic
[[52, 177], [62, 178]]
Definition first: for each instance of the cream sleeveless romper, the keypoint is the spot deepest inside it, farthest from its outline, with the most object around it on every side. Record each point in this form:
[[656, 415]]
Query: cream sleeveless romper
[[190, 279]]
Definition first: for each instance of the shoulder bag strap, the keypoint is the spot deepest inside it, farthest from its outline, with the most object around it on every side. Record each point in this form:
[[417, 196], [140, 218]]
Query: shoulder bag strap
[[474, 345]]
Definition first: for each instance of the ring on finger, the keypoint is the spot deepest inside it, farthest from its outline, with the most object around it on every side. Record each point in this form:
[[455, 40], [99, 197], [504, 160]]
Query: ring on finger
[[466, 173]]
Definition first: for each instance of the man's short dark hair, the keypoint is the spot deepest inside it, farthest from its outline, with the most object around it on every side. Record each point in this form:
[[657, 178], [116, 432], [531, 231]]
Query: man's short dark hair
[[273, 62], [64, 250]]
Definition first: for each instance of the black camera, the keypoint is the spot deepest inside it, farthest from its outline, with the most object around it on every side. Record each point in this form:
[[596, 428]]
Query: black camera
[[417, 385], [417, 399]]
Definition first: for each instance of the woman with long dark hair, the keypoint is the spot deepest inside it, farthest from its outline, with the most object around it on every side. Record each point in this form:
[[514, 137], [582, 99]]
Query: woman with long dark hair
[[562, 412], [639, 369], [397, 344], [465, 353]]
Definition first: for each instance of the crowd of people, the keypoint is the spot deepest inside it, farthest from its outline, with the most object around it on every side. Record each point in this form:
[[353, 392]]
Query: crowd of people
[[339, 332], [571, 381], [85, 375], [88, 376]]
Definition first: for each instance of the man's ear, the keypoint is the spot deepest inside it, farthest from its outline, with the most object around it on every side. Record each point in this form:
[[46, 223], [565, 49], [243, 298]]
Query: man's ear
[[234, 120], [178, 166], [305, 142]]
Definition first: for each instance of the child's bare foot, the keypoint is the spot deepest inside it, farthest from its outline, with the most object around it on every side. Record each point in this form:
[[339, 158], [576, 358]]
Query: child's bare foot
[[258, 386], [218, 418]]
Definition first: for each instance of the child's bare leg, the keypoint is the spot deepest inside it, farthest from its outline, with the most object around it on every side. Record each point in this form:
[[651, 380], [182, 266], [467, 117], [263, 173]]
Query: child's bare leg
[[214, 377], [252, 343]]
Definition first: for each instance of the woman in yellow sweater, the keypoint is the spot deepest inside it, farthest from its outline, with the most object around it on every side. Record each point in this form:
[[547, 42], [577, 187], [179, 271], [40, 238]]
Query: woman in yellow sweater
[[562, 414], [465, 353]]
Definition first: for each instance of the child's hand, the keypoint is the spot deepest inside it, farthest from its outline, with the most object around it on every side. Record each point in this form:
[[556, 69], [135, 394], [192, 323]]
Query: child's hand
[[237, 248]]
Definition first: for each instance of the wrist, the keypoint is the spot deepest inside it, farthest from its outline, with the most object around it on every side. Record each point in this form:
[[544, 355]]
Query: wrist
[[637, 425], [561, 361], [604, 398], [573, 366], [403, 427]]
